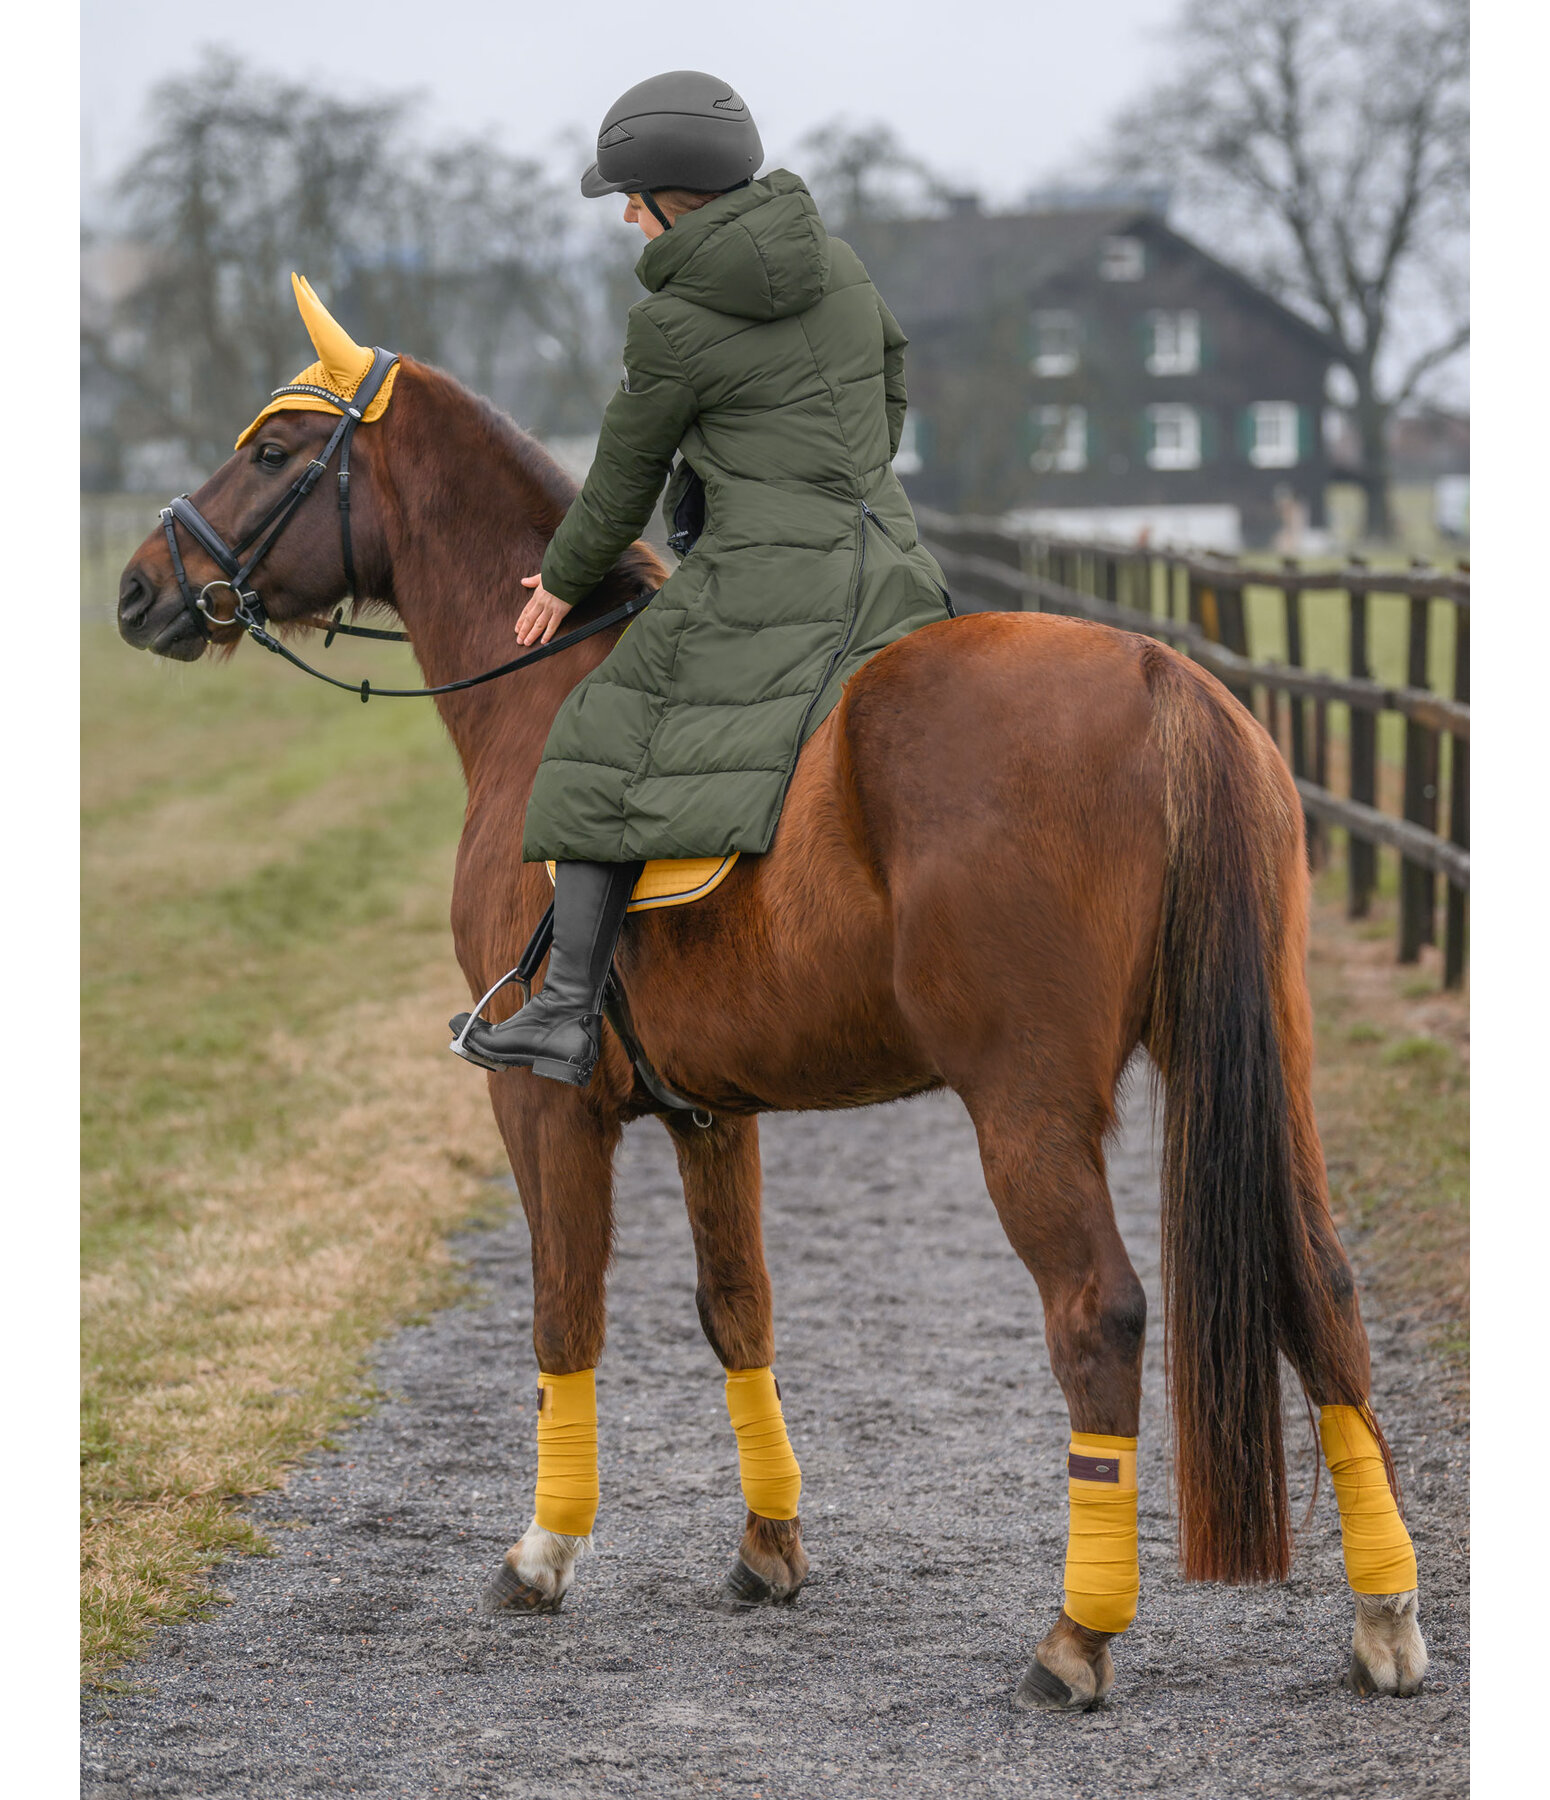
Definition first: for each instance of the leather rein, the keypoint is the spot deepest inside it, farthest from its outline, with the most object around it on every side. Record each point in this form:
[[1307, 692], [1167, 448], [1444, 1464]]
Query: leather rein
[[238, 561]]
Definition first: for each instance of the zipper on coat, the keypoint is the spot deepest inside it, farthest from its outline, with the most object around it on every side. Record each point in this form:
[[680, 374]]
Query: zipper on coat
[[867, 512], [947, 599]]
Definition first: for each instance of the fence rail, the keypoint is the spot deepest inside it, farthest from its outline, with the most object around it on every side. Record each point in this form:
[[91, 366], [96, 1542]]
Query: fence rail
[[1198, 604]]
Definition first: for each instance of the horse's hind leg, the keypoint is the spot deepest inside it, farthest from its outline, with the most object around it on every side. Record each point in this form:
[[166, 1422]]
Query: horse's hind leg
[[722, 1182], [1388, 1653], [1043, 1162], [562, 1156]]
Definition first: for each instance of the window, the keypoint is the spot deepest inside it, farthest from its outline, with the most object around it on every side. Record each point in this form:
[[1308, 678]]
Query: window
[[909, 460], [1122, 259], [1060, 437], [1056, 343], [1173, 437], [1175, 343], [1273, 434]]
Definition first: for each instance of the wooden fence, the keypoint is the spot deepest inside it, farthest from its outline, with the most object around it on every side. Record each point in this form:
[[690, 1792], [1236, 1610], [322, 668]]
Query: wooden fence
[[1197, 603]]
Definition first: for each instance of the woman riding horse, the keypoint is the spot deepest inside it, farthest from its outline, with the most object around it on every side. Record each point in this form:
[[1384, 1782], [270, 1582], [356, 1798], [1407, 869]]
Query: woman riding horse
[[766, 358], [1019, 849]]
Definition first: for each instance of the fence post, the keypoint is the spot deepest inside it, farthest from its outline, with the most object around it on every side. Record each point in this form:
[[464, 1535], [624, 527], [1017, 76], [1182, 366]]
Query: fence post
[[1232, 620], [1318, 842], [1417, 885], [1292, 601], [1458, 809], [1361, 857]]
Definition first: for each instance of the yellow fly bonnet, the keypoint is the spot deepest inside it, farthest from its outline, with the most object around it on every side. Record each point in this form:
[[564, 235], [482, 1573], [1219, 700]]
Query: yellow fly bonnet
[[341, 366]]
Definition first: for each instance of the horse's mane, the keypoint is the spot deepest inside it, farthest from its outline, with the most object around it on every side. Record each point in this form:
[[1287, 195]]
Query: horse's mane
[[556, 486], [638, 565]]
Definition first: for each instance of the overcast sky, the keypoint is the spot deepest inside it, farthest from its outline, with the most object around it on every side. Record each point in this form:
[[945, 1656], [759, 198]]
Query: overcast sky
[[995, 94]]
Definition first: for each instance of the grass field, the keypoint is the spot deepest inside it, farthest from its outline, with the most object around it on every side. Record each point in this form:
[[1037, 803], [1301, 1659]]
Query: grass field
[[276, 1144], [1392, 1088]]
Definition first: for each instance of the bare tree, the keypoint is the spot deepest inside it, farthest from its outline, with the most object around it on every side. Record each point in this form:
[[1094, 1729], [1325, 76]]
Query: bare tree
[[458, 254], [1325, 145], [857, 176]]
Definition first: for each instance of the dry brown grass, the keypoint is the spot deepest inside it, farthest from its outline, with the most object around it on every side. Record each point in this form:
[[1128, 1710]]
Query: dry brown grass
[[238, 1341]]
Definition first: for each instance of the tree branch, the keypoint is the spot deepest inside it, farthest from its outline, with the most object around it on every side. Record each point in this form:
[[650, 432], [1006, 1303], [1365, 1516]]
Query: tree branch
[[1426, 362]]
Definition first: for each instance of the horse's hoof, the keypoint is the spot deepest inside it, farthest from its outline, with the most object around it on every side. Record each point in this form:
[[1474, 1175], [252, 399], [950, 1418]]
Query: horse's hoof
[[771, 1565], [1388, 1653], [1041, 1691], [508, 1592], [1071, 1670], [745, 1588]]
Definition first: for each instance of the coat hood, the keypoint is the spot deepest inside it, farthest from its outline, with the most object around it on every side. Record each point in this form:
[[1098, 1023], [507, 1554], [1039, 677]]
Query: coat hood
[[760, 252]]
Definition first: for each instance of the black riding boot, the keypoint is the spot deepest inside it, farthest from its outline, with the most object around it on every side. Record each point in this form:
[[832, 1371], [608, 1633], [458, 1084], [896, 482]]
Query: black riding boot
[[559, 1032]]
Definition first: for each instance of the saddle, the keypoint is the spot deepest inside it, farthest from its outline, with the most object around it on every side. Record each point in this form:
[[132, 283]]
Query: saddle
[[675, 881]]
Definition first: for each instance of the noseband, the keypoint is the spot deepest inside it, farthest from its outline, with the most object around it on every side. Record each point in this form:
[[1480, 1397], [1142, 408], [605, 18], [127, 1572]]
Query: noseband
[[238, 561]]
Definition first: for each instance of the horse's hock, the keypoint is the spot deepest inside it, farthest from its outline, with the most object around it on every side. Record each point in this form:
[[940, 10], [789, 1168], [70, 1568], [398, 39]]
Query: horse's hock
[[933, 1443]]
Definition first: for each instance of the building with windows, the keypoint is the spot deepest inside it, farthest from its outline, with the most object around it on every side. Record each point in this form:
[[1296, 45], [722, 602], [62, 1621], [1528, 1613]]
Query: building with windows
[[1094, 373]]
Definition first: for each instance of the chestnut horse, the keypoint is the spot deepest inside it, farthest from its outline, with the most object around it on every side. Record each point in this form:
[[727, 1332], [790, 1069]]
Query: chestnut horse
[[1019, 848]]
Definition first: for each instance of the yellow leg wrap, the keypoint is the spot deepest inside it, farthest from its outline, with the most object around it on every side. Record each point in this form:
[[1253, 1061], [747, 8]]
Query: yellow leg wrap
[[566, 1495], [772, 1482], [1103, 1574], [1379, 1557]]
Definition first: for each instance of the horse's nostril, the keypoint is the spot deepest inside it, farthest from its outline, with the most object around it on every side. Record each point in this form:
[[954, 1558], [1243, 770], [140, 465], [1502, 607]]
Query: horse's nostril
[[135, 596]]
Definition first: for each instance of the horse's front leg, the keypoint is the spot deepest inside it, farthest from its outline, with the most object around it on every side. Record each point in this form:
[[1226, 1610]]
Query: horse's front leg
[[562, 1154], [722, 1181]]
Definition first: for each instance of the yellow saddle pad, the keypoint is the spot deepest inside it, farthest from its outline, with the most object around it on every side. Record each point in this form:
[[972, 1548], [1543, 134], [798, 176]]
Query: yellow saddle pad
[[676, 881]]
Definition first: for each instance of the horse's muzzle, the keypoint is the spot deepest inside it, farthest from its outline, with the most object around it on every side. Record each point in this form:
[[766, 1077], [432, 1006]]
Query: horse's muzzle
[[156, 622]]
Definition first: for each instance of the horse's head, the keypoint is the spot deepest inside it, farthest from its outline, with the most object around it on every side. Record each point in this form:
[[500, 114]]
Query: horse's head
[[302, 570]]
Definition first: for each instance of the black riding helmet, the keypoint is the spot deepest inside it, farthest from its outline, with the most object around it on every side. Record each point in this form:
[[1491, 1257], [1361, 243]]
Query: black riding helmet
[[679, 130]]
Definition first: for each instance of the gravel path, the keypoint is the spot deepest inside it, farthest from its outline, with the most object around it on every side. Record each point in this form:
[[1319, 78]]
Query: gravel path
[[931, 1437]]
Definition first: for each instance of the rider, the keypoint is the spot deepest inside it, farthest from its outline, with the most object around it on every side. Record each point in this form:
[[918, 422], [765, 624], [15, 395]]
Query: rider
[[766, 357]]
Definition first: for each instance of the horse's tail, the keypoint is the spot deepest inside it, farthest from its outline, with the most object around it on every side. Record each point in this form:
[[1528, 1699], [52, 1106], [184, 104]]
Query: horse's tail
[[1241, 1279]]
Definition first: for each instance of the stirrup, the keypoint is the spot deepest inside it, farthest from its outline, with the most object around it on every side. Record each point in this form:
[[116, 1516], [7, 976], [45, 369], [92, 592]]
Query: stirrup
[[460, 1045], [536, 949]]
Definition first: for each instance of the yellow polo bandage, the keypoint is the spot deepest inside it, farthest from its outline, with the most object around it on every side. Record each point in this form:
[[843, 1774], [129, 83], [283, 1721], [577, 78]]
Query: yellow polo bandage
[[772, 1482], [1379, 1557], [565, 1499], [1103, 1573]]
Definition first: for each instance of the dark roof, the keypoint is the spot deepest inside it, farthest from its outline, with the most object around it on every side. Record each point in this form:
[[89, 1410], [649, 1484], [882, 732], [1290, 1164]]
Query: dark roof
[[939, 271], [935, 272]]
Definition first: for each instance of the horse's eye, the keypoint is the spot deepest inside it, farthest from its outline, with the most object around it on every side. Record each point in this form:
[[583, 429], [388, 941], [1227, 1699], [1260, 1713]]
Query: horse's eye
[[273, 457]]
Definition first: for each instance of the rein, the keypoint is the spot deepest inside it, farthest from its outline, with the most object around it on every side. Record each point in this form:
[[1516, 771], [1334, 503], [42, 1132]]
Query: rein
[[248, 608], [253, 621]]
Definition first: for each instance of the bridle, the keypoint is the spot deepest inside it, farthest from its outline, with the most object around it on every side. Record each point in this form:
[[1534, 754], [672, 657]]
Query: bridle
[[238, 561]]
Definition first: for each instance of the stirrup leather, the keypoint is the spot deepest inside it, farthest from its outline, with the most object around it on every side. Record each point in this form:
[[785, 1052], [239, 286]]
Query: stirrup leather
[[615, 1010]]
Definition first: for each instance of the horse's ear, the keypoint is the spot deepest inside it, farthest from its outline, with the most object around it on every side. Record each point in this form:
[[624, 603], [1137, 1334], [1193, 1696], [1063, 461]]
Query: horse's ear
[[344, 361]]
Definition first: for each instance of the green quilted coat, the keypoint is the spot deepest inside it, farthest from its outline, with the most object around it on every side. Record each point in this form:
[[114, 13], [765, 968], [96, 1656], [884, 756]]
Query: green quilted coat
[[765, 355]]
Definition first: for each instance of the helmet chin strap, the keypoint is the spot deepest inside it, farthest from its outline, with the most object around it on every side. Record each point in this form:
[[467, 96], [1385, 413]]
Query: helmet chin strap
[[649, 201]]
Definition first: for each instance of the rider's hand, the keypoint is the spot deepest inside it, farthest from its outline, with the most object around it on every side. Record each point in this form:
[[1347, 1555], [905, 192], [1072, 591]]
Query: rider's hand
[[542, 616]]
